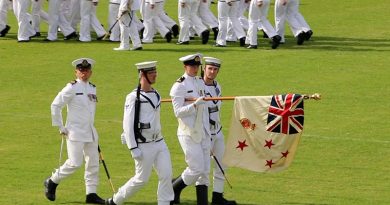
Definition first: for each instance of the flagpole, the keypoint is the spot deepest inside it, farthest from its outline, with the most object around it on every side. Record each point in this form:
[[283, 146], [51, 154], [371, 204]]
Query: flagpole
[[315, 96]]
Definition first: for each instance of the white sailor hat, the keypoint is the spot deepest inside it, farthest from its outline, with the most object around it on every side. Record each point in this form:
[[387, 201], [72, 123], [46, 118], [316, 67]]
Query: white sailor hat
[[212, 61], [146, 66], [83, 63], [193, 59]]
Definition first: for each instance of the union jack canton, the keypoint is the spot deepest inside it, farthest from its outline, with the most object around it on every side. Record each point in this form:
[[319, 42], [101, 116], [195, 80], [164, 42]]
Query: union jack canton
[[285, 114]]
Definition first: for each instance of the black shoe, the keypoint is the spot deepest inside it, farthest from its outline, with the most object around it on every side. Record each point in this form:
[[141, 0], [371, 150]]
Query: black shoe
[[301, 38], [50, 189], [70, 36], [218, 199], [136, 49], [93, 198], [252, 47], [215, 31], [5, 31], [175, 30], [110, 201], [37, 34], [48, 40], [201, 195], [242, 41], [308, 35], [100, 38], [219, 45], [265, 35], [276, 41], [183, 43], [168, 36], [178, 185], [205, 36]]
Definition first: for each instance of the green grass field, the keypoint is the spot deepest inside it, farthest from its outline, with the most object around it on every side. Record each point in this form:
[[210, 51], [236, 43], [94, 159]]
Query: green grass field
[[343, 156]]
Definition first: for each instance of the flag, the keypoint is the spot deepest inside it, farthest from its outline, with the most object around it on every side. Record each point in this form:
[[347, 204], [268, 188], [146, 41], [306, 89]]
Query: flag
[[264, 132]]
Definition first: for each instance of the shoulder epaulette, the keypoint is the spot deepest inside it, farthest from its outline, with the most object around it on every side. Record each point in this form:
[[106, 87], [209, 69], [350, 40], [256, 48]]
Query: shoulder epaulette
[[181, 79], [93, 85], [73, 82]]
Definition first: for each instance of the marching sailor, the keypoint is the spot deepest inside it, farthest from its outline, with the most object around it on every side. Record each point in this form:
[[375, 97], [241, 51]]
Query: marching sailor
[[142, 135], [193, 131], [81, 136]]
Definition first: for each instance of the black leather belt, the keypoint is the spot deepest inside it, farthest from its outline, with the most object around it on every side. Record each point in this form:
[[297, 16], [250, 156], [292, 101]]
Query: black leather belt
[[157, 140]]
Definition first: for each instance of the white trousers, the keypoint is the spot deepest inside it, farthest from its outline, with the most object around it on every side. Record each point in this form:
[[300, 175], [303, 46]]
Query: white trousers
[[226, 13], [188, 17], [113, 10], [206, 15], [259, 15], [168, 21], [57, 19], [38, 14], [242, 8], [128, 28], [218, 149], [77, 152], [197, 157], [25, 29], [152, 22], [3, 13], [154, 155], [290, 13]]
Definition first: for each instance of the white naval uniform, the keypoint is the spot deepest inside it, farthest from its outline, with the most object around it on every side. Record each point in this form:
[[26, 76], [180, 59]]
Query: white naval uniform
[[207, 15], [259, 15], [152, 21], [82, 140], [57, 18], [168, 21], [4, 4], [25, 29], [128, 23], [188, 17], [38, 14], [243, 6], [217, 137], [113, 9], [290, 13], [155, 153], [226, 13], [193, 130]]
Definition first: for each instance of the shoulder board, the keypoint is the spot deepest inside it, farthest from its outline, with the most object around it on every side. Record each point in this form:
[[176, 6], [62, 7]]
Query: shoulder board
[[73, 82], [181, 79], [93, 85]]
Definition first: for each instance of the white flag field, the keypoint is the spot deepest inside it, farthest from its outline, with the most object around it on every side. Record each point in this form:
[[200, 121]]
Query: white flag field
[[264, 132]]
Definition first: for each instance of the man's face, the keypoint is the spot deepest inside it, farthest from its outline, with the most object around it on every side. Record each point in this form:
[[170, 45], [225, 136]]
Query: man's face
[[83, 73], [191, 70], [151, 75], [211, 72]]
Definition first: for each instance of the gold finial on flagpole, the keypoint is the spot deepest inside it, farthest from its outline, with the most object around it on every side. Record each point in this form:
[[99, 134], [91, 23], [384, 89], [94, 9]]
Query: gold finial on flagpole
[[315, 96]]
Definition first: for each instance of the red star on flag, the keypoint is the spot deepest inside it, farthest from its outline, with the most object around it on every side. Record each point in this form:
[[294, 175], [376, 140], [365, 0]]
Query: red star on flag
[[269, 163], [284, 154], [268, 144], [242, 145]]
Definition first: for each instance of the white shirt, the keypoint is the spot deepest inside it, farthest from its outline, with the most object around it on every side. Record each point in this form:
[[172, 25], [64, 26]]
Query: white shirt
[[80, 99]]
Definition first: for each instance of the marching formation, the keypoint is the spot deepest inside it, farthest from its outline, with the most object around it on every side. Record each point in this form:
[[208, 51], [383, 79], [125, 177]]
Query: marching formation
[[199, 133], [237, 21]]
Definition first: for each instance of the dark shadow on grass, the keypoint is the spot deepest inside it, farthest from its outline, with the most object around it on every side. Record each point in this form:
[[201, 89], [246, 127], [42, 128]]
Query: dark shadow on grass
[[325, 43], [339, 44]]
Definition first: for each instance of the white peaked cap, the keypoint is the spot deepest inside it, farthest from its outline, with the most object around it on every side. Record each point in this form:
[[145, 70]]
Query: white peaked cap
[[212, 61], [146, 66], [192, 59], [83, 62]]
